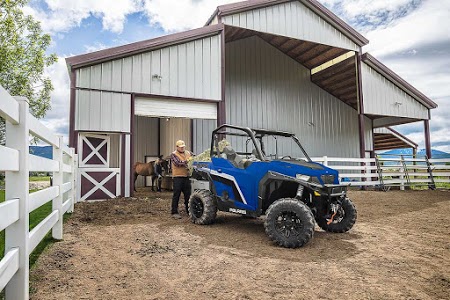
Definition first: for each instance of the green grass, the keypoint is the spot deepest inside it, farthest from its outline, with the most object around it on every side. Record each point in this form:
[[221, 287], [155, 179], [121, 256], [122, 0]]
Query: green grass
[[39, 178], [35, 218]]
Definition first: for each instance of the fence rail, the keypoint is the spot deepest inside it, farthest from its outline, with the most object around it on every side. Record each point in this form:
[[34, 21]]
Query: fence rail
[[16, 162], [384, 172]]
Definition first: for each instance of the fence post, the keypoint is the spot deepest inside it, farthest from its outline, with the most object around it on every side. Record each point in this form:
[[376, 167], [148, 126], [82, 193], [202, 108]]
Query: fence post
[[16, 187], [325, 161], [73, 180], [57, 230], [402, 171]]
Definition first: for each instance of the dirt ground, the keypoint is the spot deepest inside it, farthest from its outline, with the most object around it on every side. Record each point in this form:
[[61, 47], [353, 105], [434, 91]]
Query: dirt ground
[[132, 249]]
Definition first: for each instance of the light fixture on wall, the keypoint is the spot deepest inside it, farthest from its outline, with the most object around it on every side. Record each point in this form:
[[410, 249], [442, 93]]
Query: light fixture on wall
[[398, 103], [310, 123], [167, 119], [156, 77]]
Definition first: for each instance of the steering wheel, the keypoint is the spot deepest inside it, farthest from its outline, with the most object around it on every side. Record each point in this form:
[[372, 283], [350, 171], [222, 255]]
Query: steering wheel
[[286, 156]]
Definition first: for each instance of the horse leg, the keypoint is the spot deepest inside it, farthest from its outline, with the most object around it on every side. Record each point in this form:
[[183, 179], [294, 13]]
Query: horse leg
[[153, 183], [158, 182], [135, 178]]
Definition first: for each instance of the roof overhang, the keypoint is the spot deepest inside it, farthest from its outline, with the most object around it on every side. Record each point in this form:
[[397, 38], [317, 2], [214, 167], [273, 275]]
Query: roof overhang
[[314, 5], [387, 138], [309, 54], [340, 80], [142, 46], [398, 81]]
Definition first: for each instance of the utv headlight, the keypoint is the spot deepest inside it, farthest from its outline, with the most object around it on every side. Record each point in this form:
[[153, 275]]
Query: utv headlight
[[302, 177]]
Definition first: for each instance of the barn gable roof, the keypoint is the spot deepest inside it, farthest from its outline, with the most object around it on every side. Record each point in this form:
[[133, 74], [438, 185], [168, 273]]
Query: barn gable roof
[[314, 5], [142, 46], [398, 81]]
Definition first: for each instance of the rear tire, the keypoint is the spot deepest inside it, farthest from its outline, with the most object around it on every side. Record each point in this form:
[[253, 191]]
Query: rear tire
[[202, 207], [289, 223], [342, 222]]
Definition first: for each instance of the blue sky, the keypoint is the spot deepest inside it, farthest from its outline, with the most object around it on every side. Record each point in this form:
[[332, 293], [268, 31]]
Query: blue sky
[[412, 37]]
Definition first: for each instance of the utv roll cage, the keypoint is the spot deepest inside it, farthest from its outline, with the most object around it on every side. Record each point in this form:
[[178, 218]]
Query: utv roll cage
[[254, 135]]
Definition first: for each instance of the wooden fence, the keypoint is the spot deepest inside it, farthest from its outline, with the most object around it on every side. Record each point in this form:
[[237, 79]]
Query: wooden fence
[[16, 162], [385, 171]]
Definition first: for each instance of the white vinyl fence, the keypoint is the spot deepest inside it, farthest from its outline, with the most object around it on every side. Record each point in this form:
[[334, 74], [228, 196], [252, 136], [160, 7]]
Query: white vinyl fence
[[386, 171], [16, 161]]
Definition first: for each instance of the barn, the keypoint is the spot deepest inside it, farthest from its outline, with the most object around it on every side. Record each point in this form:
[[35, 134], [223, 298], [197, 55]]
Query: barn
[[286, 65]]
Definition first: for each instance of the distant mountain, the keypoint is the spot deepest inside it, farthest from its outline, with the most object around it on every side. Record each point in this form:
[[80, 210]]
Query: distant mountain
[[420, 153], [43, 151]]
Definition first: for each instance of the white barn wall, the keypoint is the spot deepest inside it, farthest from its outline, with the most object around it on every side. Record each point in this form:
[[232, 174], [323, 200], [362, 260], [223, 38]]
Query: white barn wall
[[291, 19], [190, 70], [267, 89], [102, 111], [381, 97]]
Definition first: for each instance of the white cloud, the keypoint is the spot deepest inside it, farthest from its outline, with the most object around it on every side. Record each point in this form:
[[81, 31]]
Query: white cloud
[[63, 15], [57, 119], [177, 15], [170, 15], [426, 25]]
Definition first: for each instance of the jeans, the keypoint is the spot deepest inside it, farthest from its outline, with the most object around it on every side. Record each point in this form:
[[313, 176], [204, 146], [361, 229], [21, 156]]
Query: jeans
[[180, 184]]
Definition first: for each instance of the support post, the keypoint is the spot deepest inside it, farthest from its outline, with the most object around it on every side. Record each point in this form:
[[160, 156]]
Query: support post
[[426, 124], [361, 124], [73, 180], [16, 187], [57, 230]]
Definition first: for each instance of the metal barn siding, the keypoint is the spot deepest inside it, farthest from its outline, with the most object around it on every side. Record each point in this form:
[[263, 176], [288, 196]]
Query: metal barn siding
[[291, 19], [202, 130], [146, 140], [102, 111], [172, 130], [382, 97], [267, 89], [368, 134], [190, 70]]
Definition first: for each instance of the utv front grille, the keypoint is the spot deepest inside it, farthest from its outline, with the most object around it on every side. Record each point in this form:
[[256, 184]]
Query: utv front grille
[[327, 179]]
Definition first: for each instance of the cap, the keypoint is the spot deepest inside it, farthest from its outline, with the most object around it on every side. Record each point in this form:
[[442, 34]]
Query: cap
[[180, 143]]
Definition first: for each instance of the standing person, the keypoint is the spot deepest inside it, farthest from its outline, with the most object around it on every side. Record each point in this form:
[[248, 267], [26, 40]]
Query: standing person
[[180, 173], [158, 172]]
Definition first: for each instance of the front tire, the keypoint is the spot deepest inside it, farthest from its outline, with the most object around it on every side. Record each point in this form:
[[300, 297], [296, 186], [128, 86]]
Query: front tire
[[289, 223], [202, 207], [342, 221]]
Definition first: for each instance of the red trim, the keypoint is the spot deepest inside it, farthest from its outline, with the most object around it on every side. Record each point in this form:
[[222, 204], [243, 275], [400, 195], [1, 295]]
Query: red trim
[[142, 46], [72, 137], [398, 81], [314, 5], [174, 97], [132, 130], [426, 124]]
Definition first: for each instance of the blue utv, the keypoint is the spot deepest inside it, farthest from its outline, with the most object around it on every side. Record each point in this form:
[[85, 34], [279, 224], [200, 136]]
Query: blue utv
[[257, 172]]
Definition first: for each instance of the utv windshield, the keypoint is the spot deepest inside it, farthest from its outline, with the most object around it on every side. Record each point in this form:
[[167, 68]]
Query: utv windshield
[[276, 147], [258, 144]]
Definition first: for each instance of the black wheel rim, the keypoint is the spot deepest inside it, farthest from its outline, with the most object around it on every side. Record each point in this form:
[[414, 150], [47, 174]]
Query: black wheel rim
[[288, 224], [197, 208]]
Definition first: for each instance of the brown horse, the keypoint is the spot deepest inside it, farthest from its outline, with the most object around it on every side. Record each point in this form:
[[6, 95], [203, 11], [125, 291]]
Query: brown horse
[[148, 169]]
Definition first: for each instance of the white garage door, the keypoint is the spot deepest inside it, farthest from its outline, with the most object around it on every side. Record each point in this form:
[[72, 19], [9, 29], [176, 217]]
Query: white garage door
[[157, 107]]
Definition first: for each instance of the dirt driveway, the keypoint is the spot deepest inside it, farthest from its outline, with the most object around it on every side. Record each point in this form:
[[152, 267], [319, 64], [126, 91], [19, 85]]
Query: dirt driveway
[[132, 249]]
